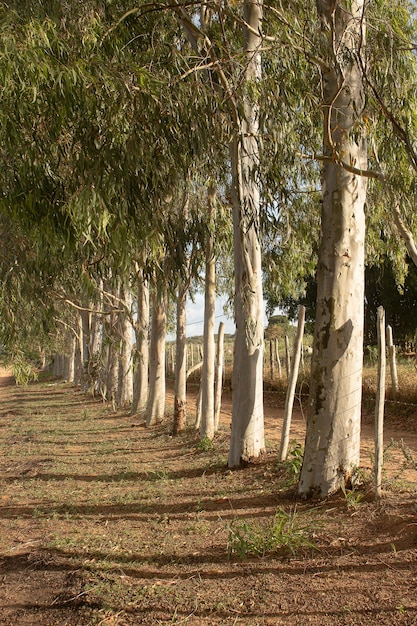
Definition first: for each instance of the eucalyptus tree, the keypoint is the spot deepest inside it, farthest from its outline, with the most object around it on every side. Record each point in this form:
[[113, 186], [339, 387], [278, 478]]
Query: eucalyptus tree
[[87, 114], [141, 353], [247, 436], [333, 425], [207, 373], [155, 410]]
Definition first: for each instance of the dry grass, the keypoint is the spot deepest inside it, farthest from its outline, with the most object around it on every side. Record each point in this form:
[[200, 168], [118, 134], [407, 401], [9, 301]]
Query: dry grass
[[103, 521]]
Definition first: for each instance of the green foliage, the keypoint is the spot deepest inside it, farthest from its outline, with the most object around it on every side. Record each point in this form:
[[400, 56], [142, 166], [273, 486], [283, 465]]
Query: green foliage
[[158, 474], [400, 303], [204, 445], [286, 534], [23, 370], [294, 459], [278, 326], [353, 497]]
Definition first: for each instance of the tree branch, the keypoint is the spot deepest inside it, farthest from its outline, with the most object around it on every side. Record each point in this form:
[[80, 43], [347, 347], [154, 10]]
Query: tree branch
[[406, 234]]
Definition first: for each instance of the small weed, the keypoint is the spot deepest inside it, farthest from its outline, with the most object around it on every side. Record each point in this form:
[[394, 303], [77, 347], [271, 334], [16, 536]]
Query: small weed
[[352, 497], [294, 459], [204, 445], [158, 474], [286, 534], [38, 513]]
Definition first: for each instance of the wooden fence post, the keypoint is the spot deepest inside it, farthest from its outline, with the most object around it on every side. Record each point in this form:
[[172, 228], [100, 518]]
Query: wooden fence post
[[392, 363], [271, 359], [219, 376], [289, 400], [278, 358], [288, 356], [380, 398]]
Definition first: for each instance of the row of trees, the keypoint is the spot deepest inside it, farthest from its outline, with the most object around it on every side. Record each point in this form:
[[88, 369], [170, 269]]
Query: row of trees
[[146, 146]]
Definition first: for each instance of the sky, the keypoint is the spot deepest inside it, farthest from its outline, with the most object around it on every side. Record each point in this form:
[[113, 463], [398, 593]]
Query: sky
[[195, 317]]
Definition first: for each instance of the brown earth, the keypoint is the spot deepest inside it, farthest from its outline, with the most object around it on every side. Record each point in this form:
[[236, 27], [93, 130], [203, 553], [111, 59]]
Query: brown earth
[[103, 521]]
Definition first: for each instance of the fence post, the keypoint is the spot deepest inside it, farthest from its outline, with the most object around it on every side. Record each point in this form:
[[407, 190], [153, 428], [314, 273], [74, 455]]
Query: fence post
[[380, 398], [271, 359], [392, 363], [287, 356], [289, 400]]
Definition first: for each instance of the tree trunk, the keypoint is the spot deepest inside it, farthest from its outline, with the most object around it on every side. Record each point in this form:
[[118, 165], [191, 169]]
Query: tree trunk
[[113, 340], [125, 391], [247, 434], [85, 348], [180, 397], [156, 402], [71, 357], [333, 424], [141, 382], [207, 374], [78, 358]]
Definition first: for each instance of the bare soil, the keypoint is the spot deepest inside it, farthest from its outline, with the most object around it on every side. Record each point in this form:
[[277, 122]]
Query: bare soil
[[103, 521]]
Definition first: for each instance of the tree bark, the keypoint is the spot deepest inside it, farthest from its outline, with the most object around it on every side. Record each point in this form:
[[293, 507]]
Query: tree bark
[[406, 234], [247, 433], [125, 390], [112, 354], [180, 396], [333, 424], [141, 380], [156, 402], [71, 357], [207, 374]]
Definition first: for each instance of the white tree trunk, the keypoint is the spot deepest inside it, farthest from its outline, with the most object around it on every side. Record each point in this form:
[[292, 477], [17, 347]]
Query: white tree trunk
[[78, 359], [207, 374], [125, 390], [247, 434], [85, 345], [156, 402], [141, 380], [113, 341], [71, 358], [180, 397], [333, 425]]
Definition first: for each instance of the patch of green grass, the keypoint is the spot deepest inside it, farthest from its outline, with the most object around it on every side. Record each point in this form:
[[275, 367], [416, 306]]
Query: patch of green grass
[[158, 474], [204, 445], [294, 459], [286, 534], [353, 497]]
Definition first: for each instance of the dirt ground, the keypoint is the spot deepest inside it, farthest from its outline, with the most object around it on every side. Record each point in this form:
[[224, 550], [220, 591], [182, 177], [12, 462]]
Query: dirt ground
[[103, 521]]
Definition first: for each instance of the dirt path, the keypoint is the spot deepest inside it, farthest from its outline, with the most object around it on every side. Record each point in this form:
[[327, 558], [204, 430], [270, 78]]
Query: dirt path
[[400, 432], [106, 522], [6, 377]]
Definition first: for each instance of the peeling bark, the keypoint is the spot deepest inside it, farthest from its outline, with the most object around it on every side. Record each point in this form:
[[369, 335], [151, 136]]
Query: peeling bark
[[333, 424]]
